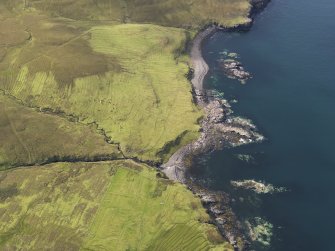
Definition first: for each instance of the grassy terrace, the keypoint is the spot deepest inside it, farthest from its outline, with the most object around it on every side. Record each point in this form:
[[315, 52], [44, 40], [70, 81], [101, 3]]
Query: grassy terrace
[[82, 81]]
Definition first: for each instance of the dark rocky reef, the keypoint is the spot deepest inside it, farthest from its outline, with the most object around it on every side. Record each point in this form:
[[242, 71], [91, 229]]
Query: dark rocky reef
[[234, 69]]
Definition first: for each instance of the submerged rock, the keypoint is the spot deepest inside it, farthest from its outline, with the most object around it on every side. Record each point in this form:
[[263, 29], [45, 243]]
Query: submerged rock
[[260, 231], [245, 157], [232, 55], [234, 70], [257, 186]]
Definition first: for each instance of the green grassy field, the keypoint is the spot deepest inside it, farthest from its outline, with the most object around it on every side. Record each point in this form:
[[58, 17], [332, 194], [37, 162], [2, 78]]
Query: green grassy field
[[142, 100], [80, 81], [175, 13], [116, 205], [129, 79]]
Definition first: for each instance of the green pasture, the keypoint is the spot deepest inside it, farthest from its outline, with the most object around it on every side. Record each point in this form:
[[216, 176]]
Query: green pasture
[[118, 205]]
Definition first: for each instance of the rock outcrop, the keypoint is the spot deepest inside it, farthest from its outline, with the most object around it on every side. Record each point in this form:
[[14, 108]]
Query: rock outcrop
[[233, 69]]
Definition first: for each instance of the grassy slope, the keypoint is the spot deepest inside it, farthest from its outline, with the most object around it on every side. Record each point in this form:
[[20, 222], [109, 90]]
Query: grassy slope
[[161, 106], [116, 205], [175, 13], [30, 137], [133, 88], [74, 57], [141, 99]]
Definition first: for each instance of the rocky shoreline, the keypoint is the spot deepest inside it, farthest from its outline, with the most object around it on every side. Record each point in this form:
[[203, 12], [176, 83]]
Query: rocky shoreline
[[219, 129]]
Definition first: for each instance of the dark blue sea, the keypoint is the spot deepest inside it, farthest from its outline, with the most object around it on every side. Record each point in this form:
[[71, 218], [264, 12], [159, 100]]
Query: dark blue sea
[[290, 52]]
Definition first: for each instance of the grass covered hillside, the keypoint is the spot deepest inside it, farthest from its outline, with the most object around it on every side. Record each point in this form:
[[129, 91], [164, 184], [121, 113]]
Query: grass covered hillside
[[128, 79], [85, 86], [116, 205], [175, 13]]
